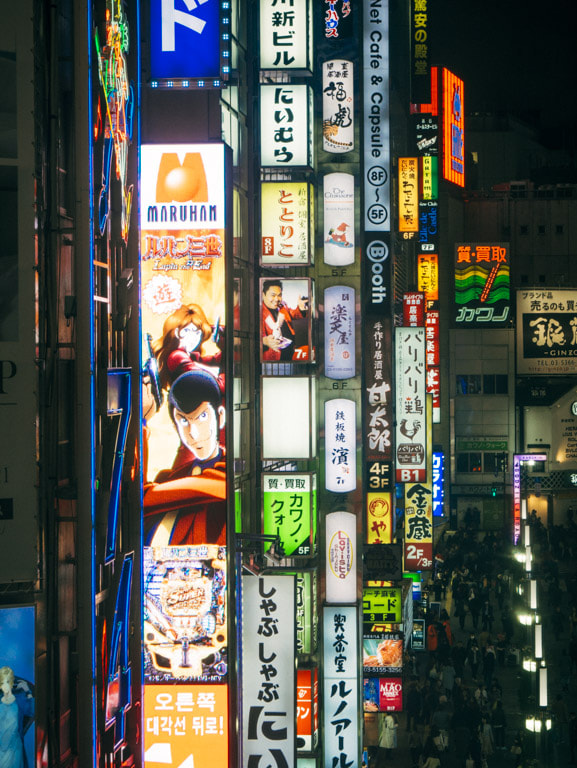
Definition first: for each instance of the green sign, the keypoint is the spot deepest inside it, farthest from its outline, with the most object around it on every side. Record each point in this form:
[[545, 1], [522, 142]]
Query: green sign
[[381, 605], [481, 444], [289, 512]]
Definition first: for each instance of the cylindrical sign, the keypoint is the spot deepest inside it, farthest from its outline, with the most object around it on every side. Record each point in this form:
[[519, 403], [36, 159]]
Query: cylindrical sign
[[339, 332], [341, 532]]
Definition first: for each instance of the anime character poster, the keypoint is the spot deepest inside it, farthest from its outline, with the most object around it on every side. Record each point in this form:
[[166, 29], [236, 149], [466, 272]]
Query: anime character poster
[[184, 464], [17, 678]]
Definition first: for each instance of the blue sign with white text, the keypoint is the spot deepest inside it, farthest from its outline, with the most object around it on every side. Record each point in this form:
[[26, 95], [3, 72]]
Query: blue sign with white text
[[185, 39]]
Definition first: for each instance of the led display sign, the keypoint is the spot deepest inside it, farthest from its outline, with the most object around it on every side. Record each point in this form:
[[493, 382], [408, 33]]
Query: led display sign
[[176, 29], [453, 129], [338, 106], [482, 284]]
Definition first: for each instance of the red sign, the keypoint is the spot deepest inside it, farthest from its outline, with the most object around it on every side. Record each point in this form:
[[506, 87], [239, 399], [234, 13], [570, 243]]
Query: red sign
[[390, 694], [453, 129], [432, 356], [307, 709], [414, 309]]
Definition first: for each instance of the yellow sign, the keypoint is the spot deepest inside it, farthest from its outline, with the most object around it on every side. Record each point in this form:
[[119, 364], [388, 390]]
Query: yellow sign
[[408, 194]]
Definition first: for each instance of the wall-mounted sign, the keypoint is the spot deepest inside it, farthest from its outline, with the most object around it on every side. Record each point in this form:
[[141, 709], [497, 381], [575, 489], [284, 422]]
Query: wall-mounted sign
[[379, 518], [482, 285], [341, 557], [269, 673], [286, 311], [381, 605], [418, 636], [546, 337], [378, 392], [286, 223], [186, 725], [453, 128], [285, 35], [428, 275], [286, 125], [420, 52], [376, 125], [307, 709], [429, 178], [340, 445], [289, 502], [288, 429], [414, 309], [306, 619], [433, 360], [383, 694], [428, 226], [418, 527], [176, 31], [340, 317], [339, 219], [438, 483], [410, 398], [408, 170], [338, 106], [382, 562], [340, 701], [338, 21], [518, 460]]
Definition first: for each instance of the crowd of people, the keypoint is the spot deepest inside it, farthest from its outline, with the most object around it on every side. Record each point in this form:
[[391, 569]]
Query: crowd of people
[[454, 713]]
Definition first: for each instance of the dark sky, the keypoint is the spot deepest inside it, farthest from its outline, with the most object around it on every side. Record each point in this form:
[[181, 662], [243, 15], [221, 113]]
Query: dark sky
[[514, 56]]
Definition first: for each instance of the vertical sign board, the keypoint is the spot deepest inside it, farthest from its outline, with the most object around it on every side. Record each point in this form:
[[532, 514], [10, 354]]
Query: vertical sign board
[[518, 459], [408, 170], [286, 223], [546, 332], [285, 35], [420, 52], [269, 671], [379, 528], [182, 307], [176, 29], [339, 219], [438, 483], [287, 511], [482, 285], [340, 445], [433, 360], [341, 699], [307, 709], [418, 551], [285, 126], [338, 19], [413, 309], [18, 681], [453, 128], [340, 314], [411, 459], [338, 106], [341, 557]]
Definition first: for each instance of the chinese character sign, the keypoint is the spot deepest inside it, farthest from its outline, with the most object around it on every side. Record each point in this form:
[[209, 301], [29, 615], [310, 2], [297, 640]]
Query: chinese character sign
[[546, 332], [285, 125], [453, 129], [418, 527], [339, 219], [285, 34], [379, 518], [287, 511], [338, 106], [414, 309], [482, 285], [340, 702], [269, 674], [341, 557], [410, 398], [428, 275], [408, 170], [340, 445], [339, 332], [378, 399], [420, 52], [186, 725], [286, 223]]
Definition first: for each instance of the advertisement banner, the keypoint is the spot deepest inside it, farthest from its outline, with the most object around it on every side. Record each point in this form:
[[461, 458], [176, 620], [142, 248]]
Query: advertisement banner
[[285, 35], [418, 527], [379, 518], [411, 459], [453, 128], [413, 309], [285, 320], [382, 653], [381, 606], [482, 284], [378, 408], [428, 275], [340, 316], [286, 126], [289, 502], [340, 445], [339, 219], [269, 670], [338, 106], [383, 694], [186, 725], [286, 223], [546, 332], [307, 709], [341, 557], [340, 701]]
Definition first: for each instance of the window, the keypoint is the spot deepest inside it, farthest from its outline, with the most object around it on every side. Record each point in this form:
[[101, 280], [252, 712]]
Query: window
[[559, 229], [488, 384], [541, 229], [469, 462], [497, 463], [524, 229]]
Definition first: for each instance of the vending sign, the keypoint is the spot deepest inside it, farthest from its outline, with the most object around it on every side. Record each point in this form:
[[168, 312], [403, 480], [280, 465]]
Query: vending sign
[[411, 460]]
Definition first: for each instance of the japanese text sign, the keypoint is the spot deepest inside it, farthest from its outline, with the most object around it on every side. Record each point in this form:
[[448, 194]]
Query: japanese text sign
[[411, 460], [381, 605], [288, 503], [285, 35], [340, 326], [341, 557], [408, 170], [482, 284], [338, 106], [286, 223], [546, 332], [340, 445], [285, 125], [453, 129]]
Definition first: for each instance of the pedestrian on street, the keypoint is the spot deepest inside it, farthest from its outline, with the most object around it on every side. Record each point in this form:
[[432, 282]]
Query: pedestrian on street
[[499, 723], [387, 737]]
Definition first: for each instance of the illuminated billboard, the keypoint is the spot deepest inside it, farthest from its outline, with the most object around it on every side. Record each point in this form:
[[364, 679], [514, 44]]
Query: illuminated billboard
[[339, 314], [286, 126], [340, 445], [428, 275], [453, 128], [411, 459], [414, 309], [379, 518], [339, 219], [338, 106], [408, 170], [285, 35], [382, 652], [183, 319], [289, 507], [286, 223], [382, 606], [341, 557], [482, 284], [176, 29], [546, 332], [285, 314], [383, 694], [307, 709]]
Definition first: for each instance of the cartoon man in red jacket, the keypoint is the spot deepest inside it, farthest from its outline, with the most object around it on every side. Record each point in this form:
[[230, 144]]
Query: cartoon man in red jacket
[[279, 325]]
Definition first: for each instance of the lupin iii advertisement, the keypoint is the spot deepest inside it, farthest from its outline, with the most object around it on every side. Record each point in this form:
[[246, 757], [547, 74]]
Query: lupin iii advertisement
[[184, 465]]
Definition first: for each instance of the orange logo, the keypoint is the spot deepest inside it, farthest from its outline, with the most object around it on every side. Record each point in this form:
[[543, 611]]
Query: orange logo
[[181, 183]]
